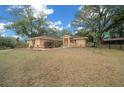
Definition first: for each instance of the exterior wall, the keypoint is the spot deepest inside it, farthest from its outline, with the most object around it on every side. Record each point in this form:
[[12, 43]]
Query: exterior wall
[[73, 44], [39, 43], [42, 43], [67, 42], [30, 43], [36, 43], [81, 43]]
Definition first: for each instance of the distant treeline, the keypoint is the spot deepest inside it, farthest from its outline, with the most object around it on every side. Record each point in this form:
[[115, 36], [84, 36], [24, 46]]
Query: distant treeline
[[9, 42]]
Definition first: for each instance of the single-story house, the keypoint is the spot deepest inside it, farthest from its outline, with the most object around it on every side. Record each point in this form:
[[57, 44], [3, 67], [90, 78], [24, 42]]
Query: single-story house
[[65, 41]]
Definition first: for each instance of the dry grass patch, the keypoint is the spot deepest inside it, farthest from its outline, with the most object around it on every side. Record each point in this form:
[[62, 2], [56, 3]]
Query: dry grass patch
[[62, 67]]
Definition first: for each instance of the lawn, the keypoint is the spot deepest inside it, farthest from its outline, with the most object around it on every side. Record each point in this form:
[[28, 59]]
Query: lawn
[[62, 67]]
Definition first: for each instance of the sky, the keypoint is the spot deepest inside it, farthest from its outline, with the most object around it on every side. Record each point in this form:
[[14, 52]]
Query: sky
[[60, 16]]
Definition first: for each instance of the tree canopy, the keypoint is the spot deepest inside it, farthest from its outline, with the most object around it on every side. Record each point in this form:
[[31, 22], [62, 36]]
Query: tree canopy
[[26, 23], [100, 19]]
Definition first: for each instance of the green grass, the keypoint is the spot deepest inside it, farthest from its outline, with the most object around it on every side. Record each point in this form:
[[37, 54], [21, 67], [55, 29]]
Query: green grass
[[62, 67]]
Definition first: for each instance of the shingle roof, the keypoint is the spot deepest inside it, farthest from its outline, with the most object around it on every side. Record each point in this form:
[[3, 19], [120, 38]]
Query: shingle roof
[[75, 37], [114, 39], [47, 38], [56, 38]]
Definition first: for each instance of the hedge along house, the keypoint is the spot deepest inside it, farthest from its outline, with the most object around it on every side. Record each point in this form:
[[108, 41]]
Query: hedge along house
[[74, 41], [44, 42]]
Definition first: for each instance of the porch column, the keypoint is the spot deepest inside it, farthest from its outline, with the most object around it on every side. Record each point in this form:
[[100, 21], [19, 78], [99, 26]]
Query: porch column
[[63, 42], [68, 42]]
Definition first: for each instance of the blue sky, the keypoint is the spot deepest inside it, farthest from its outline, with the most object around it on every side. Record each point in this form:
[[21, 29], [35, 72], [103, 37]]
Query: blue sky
[[63, 14]]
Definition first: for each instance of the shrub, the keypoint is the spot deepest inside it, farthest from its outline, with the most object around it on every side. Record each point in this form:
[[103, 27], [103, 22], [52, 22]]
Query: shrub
[[52, 44], [58, 43], [7, 42], [21, 44], [49, 44]]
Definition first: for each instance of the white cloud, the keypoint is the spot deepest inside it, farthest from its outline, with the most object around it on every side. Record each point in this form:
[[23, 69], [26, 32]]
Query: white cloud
[[79, 28], [9, 23], [75, 32], [37, 9], [68, 25], [15, 36], [2, 29], [41, 10], [80, 7], [61, 28], [56, 25], [15, 7], [3, 35]]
